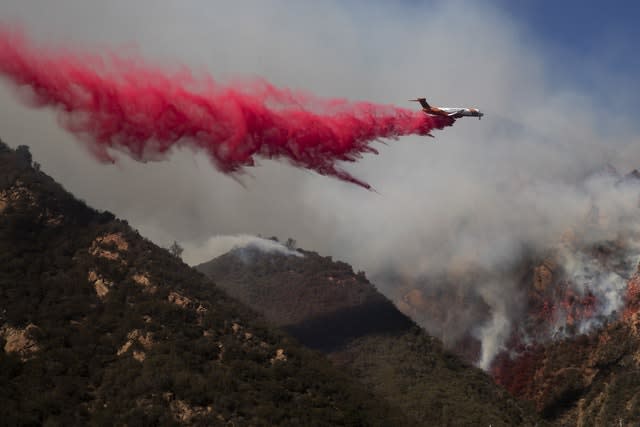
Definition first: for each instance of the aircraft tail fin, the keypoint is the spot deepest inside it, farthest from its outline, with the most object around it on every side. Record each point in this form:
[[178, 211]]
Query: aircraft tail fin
[[422, 102]]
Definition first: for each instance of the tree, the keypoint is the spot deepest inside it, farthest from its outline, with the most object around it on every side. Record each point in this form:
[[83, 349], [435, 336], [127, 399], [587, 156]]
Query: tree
[[176, 250], [291, 244], [24, 155]]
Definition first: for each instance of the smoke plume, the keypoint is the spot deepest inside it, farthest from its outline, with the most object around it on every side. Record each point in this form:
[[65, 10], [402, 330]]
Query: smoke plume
[[121, 104], [218, 245], [454, 218]]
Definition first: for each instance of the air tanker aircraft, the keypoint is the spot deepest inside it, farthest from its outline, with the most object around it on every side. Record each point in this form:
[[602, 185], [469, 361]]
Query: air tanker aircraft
[[454, 113]]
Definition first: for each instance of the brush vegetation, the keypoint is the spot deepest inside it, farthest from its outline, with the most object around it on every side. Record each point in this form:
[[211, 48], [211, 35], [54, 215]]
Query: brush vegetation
[[101, 327], [329, 307]]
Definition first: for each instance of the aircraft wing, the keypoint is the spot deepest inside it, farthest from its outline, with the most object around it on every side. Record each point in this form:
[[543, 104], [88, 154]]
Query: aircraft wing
[[455, 113]]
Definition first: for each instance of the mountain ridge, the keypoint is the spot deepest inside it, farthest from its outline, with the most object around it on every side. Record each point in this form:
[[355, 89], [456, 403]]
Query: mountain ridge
[[100, 326], [312, 296]]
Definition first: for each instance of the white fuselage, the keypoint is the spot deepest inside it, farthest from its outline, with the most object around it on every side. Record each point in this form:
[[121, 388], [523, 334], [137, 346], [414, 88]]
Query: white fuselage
[[473, 112], [454, 112]]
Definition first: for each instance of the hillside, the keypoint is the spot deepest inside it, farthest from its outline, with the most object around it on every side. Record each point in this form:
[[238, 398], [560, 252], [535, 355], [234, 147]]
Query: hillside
[[588, 378], [101, 327], [328, 307], [572, 346]]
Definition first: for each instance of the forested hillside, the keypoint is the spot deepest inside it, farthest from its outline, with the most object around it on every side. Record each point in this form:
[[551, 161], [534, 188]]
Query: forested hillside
[[329, 307], [101, 327]]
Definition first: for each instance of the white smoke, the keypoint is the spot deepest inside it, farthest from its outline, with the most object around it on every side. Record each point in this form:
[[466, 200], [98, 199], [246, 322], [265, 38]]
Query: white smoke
[[604, 277], [219, 245], [495, 332], [477, 196], [595, 263]]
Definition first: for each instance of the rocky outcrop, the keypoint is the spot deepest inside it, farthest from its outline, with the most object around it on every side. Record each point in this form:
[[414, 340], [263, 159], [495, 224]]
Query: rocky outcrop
[[137, 337], [109, 246], [17, 193], [279, 357], [100, 284], [187, 414], [179, 300], [143, 279], [20, 341]]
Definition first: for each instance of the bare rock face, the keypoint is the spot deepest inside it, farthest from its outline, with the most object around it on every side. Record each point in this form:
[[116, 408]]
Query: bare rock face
[[179, 300], [20, 340], [112, 247], [20, 196], [137, 337], [143, 279], [279, 357], [15, 194], [109, 246], [100, 284], [186, 414]]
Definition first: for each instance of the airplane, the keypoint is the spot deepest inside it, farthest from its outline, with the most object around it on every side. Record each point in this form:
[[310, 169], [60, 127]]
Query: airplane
[[454, 113]]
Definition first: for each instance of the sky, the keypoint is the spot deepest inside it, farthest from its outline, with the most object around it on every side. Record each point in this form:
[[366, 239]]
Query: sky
[[557, 84], [586, 43]]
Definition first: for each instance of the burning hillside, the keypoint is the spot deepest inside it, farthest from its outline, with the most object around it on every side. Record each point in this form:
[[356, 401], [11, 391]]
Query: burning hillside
[[572, 287], [568, 339]]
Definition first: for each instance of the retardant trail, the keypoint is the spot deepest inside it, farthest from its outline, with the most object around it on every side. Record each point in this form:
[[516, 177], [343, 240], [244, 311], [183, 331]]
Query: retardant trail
[[114, 102]]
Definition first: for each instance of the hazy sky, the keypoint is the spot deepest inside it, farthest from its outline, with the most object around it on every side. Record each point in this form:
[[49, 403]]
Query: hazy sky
[[503, 176], [556, 91], [586, 44]]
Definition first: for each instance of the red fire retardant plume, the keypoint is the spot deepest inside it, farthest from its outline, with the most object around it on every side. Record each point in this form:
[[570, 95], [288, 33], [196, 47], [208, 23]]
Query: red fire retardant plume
[[119, 104]]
